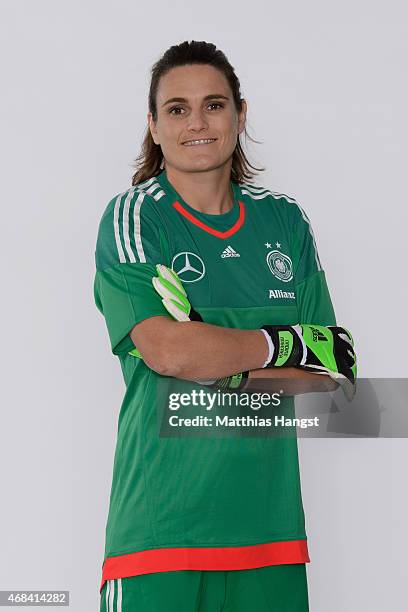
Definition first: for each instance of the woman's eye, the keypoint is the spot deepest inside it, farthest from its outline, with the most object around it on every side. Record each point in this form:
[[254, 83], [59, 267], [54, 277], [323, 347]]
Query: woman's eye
[[175, 108], [179, 110]]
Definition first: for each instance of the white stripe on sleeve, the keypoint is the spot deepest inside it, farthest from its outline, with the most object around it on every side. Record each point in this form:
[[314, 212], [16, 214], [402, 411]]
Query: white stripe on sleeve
[[138, 236], [121, 254]]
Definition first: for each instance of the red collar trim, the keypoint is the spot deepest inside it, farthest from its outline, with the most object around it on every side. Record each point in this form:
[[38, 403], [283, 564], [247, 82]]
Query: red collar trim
[[237, 225]]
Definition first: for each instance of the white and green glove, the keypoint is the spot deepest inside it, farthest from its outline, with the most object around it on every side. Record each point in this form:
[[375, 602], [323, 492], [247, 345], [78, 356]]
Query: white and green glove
[[174, 296], [315, 348]]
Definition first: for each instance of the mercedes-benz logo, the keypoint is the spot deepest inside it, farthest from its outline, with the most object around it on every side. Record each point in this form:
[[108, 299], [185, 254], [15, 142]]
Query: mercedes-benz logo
[[188, 266]]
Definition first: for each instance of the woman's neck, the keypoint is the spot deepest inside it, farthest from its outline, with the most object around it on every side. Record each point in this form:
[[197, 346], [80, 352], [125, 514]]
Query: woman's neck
[[207, 192]]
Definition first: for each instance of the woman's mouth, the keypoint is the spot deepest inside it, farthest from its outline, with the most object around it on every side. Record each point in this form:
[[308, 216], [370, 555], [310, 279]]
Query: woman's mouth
[[202, 141]]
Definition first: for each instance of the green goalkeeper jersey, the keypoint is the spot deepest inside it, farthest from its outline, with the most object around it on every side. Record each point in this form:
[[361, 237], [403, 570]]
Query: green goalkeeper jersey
[[209, 502]]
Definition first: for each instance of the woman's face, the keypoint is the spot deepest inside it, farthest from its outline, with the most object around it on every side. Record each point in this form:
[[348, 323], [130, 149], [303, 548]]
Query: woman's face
[[195, 103]]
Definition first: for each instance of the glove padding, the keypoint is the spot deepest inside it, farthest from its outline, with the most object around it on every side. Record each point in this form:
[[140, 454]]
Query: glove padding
[[174, 296], [316, 348]]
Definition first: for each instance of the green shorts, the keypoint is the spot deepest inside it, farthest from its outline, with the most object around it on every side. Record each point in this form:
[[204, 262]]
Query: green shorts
[[275, 588]]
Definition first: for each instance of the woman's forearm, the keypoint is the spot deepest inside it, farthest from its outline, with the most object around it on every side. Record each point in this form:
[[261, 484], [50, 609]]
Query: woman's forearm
[[194, 350]]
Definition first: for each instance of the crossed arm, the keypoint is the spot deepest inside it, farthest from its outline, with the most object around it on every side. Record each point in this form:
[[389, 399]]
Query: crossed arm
[[194, 350]]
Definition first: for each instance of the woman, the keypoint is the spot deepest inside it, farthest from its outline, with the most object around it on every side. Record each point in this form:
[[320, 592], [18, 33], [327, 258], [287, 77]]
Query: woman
[[212, 523]]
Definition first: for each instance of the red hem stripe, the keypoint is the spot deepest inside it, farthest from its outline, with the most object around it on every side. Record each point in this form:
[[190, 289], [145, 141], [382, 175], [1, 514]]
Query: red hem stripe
[[237, 225], [231, 558]]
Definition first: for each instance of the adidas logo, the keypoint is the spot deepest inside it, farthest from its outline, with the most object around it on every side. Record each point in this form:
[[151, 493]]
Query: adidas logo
[[229, 252], [317, 335]]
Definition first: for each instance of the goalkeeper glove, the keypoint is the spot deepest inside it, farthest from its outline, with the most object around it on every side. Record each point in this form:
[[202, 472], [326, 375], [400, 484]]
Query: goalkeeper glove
[[323, 350]]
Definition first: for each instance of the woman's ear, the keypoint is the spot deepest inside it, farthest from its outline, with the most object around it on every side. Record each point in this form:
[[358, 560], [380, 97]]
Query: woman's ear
[[242, 116], [152, 128]]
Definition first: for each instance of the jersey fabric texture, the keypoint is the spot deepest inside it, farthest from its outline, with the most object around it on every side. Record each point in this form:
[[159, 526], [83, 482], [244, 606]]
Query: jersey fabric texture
[[209, 503], [281, 588]]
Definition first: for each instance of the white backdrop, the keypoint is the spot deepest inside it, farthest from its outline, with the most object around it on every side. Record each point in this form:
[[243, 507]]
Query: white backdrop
[[327, 93]]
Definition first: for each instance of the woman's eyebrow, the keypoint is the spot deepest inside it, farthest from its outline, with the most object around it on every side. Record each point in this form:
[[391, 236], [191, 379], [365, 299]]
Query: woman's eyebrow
[[209, 97]]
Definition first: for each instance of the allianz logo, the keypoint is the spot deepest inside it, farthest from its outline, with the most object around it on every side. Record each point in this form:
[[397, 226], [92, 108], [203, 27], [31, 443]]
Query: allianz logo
[[279, 294], [229, 252]]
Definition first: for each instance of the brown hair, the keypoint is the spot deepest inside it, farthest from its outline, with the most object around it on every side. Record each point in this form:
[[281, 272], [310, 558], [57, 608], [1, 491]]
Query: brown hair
[[149, 161]]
